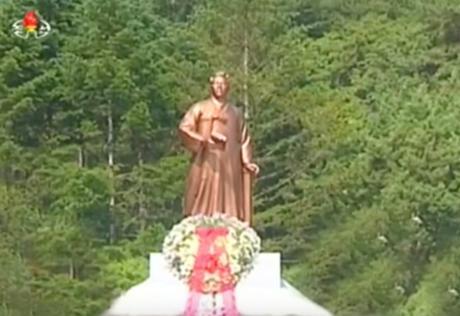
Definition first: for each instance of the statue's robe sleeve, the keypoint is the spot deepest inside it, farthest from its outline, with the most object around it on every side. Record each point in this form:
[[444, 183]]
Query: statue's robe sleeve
[[188, 130], [246, 157], [246, 144]]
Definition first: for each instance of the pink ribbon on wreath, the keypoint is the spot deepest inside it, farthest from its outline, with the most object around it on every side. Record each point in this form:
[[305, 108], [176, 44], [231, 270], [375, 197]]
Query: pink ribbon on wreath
[[207, 262]]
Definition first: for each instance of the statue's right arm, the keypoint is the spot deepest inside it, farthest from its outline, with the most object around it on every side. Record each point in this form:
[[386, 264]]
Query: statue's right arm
[[188, 130]]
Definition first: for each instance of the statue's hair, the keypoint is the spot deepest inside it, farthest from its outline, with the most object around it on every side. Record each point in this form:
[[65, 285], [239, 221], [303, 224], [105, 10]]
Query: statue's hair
[[220, 73]]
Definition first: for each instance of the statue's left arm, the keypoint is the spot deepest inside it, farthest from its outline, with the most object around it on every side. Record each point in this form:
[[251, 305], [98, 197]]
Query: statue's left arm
[[246, 148], [246, 144], [250, 170]]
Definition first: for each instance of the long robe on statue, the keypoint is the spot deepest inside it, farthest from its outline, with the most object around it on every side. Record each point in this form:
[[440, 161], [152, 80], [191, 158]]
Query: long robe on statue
[[217, 181]]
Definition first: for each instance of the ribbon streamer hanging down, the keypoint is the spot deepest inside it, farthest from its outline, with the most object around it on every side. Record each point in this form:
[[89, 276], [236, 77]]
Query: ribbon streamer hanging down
[[211, 277]]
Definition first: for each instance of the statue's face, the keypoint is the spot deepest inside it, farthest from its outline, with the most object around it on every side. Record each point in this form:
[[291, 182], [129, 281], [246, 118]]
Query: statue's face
[[219, 87]]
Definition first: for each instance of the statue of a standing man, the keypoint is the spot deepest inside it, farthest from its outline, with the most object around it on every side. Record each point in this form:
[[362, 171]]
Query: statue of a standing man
[[220, 177]]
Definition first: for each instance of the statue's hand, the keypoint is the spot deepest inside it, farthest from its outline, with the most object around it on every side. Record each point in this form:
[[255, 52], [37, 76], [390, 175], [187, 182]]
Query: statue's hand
[[252, 167], [218, 137], [213, 143]]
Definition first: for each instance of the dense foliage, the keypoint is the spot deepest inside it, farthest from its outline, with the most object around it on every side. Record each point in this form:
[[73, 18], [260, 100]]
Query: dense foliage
[[353, 105]]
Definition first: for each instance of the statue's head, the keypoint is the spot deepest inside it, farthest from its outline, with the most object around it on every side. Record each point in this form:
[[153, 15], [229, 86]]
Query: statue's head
[[220, 84]]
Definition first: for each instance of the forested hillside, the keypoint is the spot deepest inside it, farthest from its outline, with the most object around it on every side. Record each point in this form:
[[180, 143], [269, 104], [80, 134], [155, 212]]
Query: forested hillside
[[354, 108]]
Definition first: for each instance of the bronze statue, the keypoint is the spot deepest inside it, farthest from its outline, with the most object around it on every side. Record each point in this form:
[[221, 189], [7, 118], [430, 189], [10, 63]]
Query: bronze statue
[[221, 174]]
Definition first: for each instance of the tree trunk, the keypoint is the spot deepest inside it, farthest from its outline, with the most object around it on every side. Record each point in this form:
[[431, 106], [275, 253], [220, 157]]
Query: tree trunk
[[141, 211], [71, 269], [110, 162], [81, 156], [246, 73]]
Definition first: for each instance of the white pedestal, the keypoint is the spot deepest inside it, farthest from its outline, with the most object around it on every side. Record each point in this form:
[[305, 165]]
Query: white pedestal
[[262, 293]]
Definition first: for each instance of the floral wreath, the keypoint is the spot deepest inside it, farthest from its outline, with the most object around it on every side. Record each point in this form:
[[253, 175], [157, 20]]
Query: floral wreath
[[211, 254]]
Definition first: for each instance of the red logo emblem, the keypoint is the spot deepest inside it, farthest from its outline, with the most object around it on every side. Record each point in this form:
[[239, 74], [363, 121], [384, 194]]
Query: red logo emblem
[[31, 25], [30, 21]]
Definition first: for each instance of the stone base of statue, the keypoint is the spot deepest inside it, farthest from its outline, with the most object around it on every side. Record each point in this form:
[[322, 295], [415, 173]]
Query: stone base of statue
[[263, 292]]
